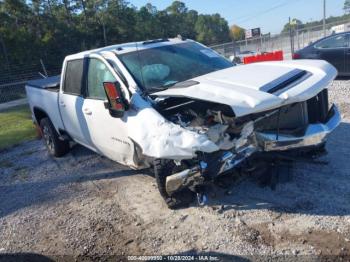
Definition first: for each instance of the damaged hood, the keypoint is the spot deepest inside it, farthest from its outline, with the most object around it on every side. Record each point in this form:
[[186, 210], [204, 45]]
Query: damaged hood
[[259, 87]]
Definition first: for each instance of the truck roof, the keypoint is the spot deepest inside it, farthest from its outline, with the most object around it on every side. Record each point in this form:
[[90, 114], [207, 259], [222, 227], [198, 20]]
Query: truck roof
[[130, 47]]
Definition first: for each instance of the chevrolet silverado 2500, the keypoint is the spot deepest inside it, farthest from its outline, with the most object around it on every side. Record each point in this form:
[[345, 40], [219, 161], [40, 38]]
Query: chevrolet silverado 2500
[[180, 107]]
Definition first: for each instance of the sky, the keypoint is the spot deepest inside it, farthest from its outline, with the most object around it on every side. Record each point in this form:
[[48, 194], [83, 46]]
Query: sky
[[270, 15]]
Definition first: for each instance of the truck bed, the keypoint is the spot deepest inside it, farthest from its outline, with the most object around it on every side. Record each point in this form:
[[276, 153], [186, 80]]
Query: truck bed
[[51, 83], [42, 95]]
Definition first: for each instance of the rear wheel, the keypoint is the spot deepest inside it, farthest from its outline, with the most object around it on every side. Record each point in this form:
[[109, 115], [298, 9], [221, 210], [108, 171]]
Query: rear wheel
[[54, 145]]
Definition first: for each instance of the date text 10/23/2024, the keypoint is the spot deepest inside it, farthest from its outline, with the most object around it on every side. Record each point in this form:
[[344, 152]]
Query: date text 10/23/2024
[[174, 258]]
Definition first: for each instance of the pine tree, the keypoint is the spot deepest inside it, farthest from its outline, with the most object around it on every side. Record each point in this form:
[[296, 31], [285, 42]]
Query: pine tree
[[346, 7]]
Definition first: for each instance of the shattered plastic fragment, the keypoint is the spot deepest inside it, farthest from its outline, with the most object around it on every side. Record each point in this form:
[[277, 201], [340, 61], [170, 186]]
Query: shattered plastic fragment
[[247, 130], [216, 132], [218, 135]]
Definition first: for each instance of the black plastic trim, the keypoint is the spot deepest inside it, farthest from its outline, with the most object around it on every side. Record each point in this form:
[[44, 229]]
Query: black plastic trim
[[283, 81]]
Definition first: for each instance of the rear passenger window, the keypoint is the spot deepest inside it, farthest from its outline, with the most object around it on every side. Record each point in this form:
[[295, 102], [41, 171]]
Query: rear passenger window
[[73, 78], [98, 73], [332, 42]]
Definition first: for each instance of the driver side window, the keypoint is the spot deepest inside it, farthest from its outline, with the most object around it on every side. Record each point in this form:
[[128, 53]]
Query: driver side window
[[97, 74]]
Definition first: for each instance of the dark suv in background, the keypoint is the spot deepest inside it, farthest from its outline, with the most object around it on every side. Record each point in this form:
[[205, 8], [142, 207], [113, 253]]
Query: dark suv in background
[[335, 49]]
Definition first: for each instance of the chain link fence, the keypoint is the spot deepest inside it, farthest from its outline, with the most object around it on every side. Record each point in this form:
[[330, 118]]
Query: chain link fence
[[14, 77], [297, 39]]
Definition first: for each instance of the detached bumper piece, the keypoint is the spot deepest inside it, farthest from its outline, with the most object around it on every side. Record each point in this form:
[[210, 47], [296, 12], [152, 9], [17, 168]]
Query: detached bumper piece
[[212, 166], [315, 134]]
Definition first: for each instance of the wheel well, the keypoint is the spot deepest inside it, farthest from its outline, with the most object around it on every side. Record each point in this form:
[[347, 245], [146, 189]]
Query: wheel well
[[39, 114]]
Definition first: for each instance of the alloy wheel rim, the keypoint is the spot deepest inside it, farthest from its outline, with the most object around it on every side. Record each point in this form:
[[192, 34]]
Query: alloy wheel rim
[[48, 138]]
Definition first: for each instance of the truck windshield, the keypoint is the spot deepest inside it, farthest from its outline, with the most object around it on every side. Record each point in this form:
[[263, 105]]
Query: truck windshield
[[162, 67]]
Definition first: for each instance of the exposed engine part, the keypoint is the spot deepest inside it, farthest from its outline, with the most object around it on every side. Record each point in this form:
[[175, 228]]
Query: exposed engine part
[[214, 120], [226, 131]]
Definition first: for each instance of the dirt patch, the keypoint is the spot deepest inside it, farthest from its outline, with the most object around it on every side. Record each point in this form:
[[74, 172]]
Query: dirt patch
[[329, 243]]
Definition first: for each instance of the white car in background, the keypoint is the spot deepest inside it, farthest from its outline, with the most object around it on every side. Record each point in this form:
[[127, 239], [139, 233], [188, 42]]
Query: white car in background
[[238, 58]]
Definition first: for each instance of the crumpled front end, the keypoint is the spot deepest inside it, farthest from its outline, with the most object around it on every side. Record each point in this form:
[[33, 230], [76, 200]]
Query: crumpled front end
[[206, 139], [291, 127]]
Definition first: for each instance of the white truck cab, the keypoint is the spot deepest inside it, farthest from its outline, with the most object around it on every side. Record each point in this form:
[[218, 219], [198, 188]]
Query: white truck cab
[[180, 107]]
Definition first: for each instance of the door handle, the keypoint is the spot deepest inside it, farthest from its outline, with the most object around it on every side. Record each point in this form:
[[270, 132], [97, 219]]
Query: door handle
[[62, 104], [87, 111]]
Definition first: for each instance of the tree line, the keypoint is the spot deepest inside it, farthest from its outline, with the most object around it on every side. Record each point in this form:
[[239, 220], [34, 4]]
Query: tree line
[[316, 24], [52, 29]]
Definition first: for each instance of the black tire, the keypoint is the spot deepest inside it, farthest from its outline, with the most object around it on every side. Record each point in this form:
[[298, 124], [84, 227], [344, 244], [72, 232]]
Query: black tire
[[54, 145], [162, 169]]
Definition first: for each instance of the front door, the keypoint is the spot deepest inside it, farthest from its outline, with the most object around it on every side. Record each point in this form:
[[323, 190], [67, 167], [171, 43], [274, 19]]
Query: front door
[[333, 50], [108, 135]]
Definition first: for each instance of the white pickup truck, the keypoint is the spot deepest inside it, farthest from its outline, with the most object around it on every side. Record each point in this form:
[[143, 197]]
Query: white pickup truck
[[178, 106]]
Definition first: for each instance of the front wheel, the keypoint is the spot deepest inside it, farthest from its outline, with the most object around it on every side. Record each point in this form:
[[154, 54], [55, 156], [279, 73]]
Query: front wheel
[[162, 169], [54, 145]]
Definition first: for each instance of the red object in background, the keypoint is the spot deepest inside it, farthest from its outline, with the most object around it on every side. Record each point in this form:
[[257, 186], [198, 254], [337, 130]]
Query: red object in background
[[273, 56], [296, 56]]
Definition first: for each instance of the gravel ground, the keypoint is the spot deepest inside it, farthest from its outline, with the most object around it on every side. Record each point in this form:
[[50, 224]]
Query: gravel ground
[[84, 205]]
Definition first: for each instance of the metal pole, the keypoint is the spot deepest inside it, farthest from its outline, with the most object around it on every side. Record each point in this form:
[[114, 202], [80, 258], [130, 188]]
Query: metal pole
[[298, 35], [291, 38], [324, 17], [5, 54], [104, 33], [44, 68]]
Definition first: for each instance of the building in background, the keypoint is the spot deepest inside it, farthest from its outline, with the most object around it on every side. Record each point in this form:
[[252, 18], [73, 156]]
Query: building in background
[[340, 28]]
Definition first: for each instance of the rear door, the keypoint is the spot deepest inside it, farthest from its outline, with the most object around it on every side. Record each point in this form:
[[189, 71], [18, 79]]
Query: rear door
[[71, 100], [333, 50]]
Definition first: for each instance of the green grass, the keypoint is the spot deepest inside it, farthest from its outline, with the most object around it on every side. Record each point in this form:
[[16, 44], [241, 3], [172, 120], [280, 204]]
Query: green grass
[[16, 126]]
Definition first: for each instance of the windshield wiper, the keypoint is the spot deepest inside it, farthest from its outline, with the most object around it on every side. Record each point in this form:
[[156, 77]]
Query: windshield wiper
[[187, 83], [183, 84], [162, 88]]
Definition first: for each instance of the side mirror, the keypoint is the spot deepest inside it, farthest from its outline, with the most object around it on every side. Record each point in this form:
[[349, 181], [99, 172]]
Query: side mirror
[[117, 105]]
